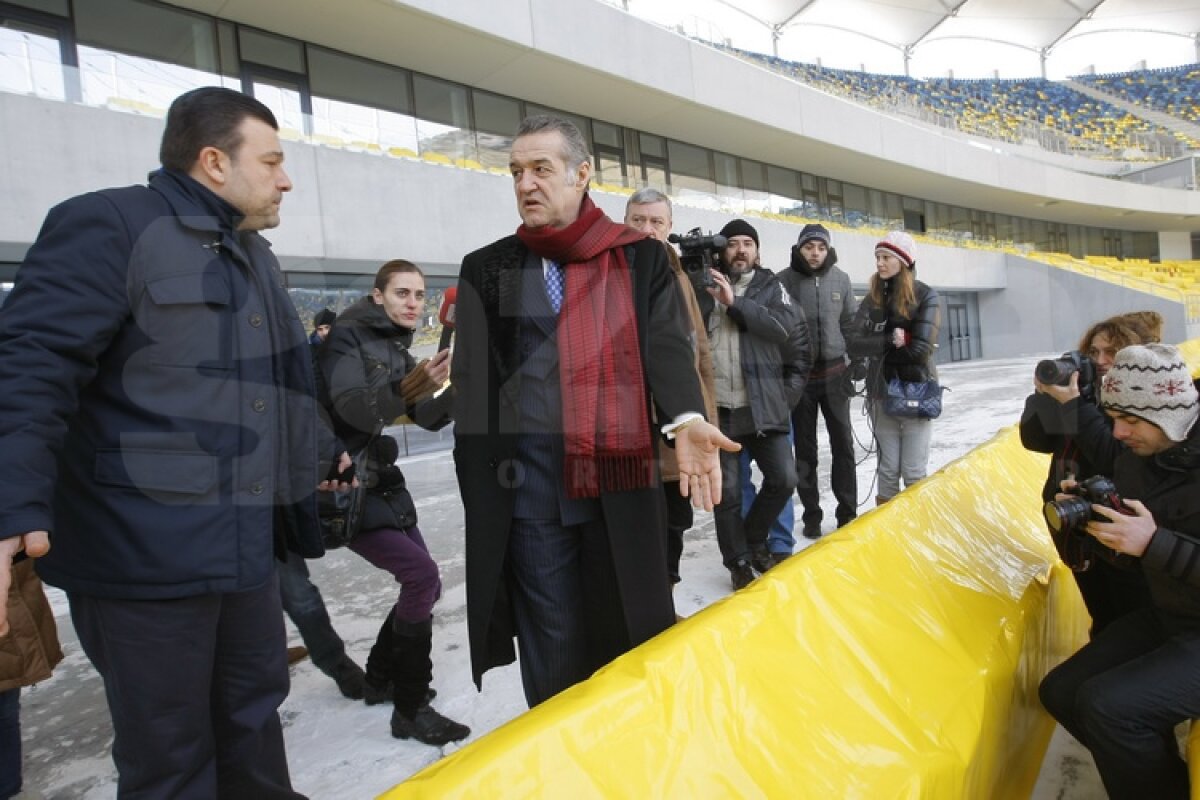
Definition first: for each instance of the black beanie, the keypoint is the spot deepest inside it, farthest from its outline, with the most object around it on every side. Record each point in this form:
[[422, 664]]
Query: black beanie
[[323, 317], [739, 227]]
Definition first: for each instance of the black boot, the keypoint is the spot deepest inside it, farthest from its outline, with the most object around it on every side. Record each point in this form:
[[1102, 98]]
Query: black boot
[[412, 671], [349, 678], [377, 686]]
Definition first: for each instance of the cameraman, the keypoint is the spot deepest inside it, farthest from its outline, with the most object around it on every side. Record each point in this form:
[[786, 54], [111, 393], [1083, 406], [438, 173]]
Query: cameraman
[[1067, 422], [1124, 692]]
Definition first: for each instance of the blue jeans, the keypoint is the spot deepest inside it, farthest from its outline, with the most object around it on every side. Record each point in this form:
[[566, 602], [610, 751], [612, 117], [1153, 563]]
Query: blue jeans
[[779, 537], [1121, 697], [10, 743], [306, 608]]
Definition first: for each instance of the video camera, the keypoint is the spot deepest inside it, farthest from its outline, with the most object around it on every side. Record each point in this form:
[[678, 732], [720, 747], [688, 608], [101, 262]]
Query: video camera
[[1057, 372], [1067, 519], [697, 253]]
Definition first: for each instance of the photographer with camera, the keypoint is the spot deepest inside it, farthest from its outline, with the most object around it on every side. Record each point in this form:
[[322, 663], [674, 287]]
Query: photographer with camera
[[1123, 693], [1062, 417], [761, 358]]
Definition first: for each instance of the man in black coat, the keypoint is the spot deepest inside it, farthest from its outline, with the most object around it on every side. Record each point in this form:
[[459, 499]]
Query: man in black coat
[[158, 421], [1123, 694], [761, 356], [555, 379]]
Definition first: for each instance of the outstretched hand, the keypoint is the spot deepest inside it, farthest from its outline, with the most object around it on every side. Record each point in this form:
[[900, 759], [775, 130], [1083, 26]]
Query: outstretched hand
[[697, 449], [35, 544]]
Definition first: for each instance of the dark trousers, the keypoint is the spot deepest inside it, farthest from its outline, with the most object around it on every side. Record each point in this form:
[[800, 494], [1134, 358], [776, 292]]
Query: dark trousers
[[403, 553], [1122, 695], [194, 687], [830, 400], [10, 742], [773, 453], [306, 608], [1110, 592], [679, 519], [566, 604]]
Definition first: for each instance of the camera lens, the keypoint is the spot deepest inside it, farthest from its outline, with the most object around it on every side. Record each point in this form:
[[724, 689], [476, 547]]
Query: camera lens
[[1065, 515], [1054, 371]]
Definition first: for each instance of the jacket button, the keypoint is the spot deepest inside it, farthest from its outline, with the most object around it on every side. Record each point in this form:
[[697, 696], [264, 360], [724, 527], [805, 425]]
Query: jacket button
[[256, 489], [493, 463], [259, 405], [256, 320]]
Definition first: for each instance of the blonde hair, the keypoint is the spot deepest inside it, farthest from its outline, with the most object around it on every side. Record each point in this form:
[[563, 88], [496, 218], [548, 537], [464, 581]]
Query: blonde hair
[[904, 293]]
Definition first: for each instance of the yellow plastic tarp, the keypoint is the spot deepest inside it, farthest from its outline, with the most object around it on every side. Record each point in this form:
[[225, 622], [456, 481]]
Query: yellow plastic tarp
[[898, 658]]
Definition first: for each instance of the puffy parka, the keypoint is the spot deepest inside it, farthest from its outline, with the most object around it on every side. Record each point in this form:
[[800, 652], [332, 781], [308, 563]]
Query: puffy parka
[[827, 300], [871, 336], [363, 360]]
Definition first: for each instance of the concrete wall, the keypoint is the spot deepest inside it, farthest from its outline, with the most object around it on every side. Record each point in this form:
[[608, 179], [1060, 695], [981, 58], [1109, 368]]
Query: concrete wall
[[1045, 309]]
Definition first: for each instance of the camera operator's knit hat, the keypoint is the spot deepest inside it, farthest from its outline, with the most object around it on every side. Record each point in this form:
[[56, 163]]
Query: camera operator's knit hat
[[1153, 382], [901, 245], [739, 227], [813, 231], [324, 317]]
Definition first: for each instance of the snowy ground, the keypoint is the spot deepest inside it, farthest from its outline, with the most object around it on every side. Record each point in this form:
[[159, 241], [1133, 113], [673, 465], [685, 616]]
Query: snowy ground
[[338, 748]]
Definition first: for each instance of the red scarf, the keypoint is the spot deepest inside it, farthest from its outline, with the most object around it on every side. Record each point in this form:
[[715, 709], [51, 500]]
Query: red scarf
[[606, 428]]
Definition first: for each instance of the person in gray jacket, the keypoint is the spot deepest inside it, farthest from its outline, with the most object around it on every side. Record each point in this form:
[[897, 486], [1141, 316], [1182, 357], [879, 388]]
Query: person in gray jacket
[[761, 358], [823, 292]]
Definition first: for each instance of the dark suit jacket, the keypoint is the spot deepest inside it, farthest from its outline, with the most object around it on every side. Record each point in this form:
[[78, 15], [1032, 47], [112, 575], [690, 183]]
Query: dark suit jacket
[[484, 373]]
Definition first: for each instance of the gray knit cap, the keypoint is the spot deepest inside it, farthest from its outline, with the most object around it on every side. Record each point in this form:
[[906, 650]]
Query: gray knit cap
[[1153, 382]]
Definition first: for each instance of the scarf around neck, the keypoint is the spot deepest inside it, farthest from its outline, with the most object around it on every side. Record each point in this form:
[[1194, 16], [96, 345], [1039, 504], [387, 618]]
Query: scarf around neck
[[606, 426]]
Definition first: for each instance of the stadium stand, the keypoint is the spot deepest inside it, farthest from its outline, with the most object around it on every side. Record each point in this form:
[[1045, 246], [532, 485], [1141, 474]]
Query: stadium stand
[[1174, 91]]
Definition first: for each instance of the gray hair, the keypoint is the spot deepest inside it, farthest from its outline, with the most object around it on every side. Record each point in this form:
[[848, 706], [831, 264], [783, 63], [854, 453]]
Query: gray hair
[[575, 149], [647, 195]]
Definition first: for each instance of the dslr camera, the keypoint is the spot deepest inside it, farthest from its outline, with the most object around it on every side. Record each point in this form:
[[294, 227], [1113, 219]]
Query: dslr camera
[[1067, 519], [1057, 372], [698, 254]]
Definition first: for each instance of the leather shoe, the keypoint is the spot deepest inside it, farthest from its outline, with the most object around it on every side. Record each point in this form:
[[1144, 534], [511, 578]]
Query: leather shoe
[[296, 654], [812, 530], [779, 558], [741, 574], [427, 726], [760, 559]]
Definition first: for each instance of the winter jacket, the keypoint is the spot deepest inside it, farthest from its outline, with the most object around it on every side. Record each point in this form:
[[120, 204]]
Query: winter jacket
[[871, 335], [773, 347], [157, 409], [30, 649], [1169, 484], [827, 300], [363, 360], [1077, 433]]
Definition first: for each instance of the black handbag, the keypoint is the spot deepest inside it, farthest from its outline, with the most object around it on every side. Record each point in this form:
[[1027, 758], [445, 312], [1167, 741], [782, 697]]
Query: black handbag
[[341, 513], [913, 399]]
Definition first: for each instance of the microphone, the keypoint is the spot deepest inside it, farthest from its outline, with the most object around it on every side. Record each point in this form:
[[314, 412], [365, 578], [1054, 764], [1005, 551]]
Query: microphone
[[446, 317]]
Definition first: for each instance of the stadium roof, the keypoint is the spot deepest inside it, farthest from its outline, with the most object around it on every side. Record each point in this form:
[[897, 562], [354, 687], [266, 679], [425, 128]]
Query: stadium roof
[[1034, 27]]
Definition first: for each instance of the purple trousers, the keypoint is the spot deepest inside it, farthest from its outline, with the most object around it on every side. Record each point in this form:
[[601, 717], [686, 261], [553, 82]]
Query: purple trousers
[[403, 553]]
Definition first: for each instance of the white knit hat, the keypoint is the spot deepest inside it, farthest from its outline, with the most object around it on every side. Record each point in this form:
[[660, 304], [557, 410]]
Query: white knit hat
[[1153, 382], [901, 245]]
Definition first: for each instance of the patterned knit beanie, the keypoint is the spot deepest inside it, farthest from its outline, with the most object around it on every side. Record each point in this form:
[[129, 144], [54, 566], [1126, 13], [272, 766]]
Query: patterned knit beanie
[[1153, 382], [813, 231]]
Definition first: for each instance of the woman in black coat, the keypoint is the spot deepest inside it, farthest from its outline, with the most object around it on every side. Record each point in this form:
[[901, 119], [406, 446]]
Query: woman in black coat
[[897, 327], [372, 380]]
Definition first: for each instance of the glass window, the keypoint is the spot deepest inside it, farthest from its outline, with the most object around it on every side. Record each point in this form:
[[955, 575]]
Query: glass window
[[691, 170], [271, 51], [652, 145], [158, 32], [854, 203], [31, 59], [496, 120], [227, 48], [342, 77], [284, 97], [784, 185], [607, 134], [754, 175], [443, 118]]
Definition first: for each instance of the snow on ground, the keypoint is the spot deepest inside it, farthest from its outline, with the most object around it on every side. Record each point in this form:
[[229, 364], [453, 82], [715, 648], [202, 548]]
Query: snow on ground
[[338, 748]]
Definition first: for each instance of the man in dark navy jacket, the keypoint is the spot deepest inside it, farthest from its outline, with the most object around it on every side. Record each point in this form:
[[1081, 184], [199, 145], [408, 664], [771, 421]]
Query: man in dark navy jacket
[[158, 424]]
